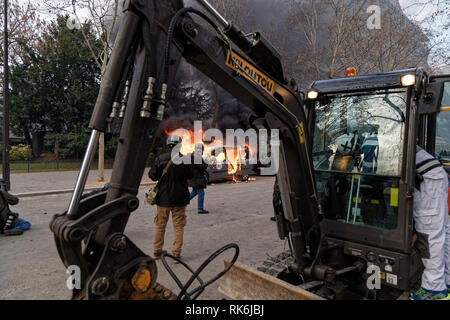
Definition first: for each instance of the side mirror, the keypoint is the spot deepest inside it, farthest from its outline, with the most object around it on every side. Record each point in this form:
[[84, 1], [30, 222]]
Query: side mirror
[[431, 98]]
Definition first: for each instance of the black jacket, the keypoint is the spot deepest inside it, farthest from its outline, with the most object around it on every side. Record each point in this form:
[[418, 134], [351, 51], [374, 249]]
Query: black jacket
[[199, 179], [173, 187]]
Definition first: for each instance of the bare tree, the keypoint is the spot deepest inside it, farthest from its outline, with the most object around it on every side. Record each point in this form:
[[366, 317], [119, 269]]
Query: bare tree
[[24, 26], [346, 13], [334, 36], [433, 17], [399, 44], [104, 15], [236, 12], [326, 27]]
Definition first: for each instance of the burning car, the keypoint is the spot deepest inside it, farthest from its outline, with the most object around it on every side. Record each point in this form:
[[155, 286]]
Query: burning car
[[230, 163], [225, 161]]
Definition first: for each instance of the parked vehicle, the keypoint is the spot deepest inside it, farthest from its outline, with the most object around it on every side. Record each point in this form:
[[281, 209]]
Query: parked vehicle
[[226, 168], [219, 171]]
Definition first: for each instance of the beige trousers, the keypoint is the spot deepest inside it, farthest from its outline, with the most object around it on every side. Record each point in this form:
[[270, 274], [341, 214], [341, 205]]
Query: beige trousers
[[178, 220]]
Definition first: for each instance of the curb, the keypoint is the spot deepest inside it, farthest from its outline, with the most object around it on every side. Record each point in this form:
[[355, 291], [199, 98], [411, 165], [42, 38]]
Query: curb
[[63, 191]]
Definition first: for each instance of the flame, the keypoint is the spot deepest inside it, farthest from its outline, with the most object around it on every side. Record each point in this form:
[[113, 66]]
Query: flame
[[234, 156], [188, 139], [221, 157]]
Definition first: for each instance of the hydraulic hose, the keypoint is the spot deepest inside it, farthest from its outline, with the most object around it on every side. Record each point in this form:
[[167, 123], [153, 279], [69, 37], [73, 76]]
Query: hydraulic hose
[[196, 275]]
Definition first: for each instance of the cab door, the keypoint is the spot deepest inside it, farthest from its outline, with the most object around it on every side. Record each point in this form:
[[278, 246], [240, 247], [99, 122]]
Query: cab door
[[438, 129]]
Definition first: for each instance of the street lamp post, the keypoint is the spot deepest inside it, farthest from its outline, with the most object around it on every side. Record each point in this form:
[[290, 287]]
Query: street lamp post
[[5, 163]]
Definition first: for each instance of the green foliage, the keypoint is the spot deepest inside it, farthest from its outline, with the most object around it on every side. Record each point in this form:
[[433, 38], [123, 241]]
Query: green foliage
[[21, 152], [67, 145], [55, 85]]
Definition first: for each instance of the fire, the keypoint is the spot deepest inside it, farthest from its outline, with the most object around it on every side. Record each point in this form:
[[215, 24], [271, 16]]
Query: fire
[[217, 150], [236, 159], [188, 138], [221, 158]]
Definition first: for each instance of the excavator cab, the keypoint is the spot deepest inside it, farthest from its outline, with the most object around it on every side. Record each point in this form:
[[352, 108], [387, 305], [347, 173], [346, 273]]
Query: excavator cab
[[364, 132]]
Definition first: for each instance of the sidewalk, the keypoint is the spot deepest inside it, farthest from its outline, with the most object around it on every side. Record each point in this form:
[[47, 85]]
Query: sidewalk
[[41, 183]]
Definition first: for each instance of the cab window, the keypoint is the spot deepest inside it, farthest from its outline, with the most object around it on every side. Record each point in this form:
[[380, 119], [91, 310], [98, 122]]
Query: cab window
[[357, 154], [442, 148]]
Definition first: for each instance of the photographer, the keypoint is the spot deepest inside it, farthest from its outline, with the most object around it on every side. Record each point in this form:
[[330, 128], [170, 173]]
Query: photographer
[[173, 196]]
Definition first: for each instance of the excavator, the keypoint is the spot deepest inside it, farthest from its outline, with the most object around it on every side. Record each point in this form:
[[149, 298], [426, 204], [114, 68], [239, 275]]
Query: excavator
[[364, 134], [344, 203]]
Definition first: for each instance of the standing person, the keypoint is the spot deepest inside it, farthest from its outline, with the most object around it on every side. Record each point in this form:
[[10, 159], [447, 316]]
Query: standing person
[[370, 148], [433, 225], [198, 182], [173, 196]]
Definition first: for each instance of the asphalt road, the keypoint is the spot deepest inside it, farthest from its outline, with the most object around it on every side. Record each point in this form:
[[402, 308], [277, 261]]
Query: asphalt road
[[30, 267], [36, 182]]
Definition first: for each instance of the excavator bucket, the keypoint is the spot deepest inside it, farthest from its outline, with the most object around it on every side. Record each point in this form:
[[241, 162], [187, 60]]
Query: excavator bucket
[[244, 283]]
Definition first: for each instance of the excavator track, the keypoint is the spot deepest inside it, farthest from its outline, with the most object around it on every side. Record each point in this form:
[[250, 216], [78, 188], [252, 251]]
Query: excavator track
[[274, 266]]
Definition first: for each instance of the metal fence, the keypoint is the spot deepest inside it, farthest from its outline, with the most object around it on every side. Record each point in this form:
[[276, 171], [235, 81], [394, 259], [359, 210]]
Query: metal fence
[[55, 165]]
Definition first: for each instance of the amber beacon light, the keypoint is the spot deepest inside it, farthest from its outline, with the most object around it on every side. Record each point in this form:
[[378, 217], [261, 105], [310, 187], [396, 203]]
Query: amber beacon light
[[350, 72]]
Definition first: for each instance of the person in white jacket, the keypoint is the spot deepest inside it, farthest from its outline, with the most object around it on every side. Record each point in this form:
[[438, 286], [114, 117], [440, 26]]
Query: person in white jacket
[[432, 222]]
